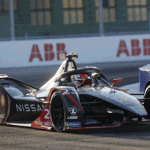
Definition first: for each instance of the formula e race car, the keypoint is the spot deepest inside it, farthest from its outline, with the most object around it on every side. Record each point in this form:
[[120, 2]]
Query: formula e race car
[[73, 99]]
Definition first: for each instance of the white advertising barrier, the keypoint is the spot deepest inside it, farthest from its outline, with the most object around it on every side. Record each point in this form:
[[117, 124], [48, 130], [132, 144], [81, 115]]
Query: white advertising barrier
[[89, 49]]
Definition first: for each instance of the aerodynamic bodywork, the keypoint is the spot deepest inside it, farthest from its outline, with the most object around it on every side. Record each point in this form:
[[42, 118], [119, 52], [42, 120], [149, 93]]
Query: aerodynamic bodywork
[[73, 99]]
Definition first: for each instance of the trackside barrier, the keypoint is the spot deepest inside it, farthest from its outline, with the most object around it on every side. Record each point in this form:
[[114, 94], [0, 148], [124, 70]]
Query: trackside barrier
[[43, 52]]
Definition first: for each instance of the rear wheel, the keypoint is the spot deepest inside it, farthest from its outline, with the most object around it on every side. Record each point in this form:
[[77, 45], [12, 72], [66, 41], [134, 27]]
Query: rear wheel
[[57, 112], [147, 101]]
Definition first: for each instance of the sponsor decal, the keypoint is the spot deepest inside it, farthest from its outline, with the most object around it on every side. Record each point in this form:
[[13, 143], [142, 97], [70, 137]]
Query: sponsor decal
[[68, 91], [136, 50], [29, 107], [125, 100], [2, 100], [72, 117], [72, 110], [44, 120], [43, 123], [49, 53], [73, 124]]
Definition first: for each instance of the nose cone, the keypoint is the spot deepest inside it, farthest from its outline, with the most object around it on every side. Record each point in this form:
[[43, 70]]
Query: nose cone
[[124, 100], [132, 104], [121, 99], [138, 109]]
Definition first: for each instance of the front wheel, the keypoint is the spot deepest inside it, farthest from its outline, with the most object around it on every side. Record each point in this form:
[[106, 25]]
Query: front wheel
[[57, 112], [147, 101]]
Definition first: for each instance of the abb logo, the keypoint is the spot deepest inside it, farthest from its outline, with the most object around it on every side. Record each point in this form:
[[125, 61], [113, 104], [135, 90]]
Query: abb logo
[[49, 54], [135, 48]]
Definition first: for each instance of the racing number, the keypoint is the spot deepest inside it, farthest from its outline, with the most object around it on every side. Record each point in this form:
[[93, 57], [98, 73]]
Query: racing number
[[68, 91], [47, 114]]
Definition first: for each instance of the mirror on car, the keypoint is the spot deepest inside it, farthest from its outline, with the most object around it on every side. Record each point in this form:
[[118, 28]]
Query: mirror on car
[[119, 80]]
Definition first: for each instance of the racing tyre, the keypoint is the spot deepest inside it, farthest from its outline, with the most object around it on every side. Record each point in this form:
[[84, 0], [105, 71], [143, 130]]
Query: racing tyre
[[147, 102], [57, 112]]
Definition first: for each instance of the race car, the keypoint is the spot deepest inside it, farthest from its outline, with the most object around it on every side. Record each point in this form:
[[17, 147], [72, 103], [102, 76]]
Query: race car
[[73, 99]]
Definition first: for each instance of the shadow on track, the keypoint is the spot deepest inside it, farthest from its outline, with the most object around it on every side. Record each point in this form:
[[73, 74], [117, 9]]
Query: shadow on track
[[129, 131]]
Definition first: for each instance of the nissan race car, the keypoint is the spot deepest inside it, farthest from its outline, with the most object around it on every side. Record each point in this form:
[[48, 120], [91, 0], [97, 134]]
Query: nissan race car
[[73, 99]]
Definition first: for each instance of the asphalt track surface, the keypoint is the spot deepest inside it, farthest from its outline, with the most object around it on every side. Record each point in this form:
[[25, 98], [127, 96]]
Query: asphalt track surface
[[134, 136]]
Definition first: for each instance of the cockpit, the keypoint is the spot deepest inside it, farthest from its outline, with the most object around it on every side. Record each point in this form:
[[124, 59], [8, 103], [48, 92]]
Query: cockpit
[[69, 75]]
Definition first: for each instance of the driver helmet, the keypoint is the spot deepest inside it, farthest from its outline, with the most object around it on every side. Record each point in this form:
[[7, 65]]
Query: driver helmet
[[79, 78]]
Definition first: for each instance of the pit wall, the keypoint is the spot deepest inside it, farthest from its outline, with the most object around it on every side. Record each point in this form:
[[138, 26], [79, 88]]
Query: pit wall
[[90, 50]]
